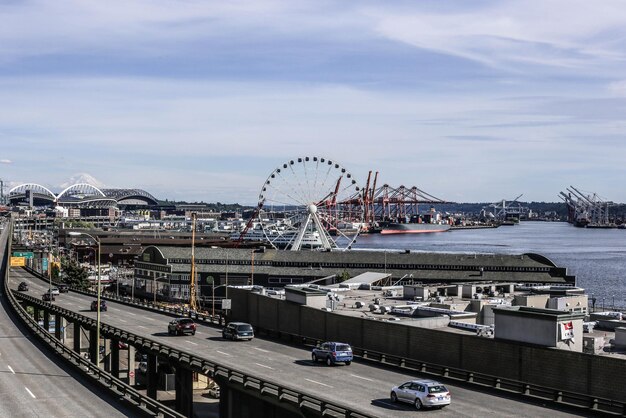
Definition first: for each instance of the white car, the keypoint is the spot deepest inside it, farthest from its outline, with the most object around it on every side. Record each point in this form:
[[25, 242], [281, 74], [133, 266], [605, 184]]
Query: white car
[[422, 393], [55, 291]]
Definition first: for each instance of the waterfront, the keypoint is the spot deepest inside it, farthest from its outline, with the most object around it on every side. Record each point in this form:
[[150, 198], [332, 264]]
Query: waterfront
[[597, 257]]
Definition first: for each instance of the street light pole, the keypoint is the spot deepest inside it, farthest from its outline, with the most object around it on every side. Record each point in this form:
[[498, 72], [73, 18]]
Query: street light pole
[[97, 241]]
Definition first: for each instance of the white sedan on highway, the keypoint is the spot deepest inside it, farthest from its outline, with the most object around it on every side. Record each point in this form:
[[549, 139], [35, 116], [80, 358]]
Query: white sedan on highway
[[422, 393]]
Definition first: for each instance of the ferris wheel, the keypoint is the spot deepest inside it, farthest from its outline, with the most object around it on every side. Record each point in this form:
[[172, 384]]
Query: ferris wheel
[[310, 203]]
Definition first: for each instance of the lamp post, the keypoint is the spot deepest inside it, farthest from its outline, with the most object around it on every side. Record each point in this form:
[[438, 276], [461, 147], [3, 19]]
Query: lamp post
[[73, 233]]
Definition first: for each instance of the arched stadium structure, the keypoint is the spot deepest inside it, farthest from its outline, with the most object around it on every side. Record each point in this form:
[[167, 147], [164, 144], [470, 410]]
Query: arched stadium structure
[[80, 195]]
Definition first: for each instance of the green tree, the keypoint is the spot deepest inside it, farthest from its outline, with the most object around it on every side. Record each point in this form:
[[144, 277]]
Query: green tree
[[54, 270], [343, 276], [74, 274]]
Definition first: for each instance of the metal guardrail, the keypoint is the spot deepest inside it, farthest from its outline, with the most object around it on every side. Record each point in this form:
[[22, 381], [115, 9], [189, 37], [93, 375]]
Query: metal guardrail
[[145, 404], [266, 389], [572, 399], [209, 319]]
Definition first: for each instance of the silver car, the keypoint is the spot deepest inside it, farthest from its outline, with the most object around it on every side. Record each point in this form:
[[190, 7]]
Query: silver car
[[422, 393]]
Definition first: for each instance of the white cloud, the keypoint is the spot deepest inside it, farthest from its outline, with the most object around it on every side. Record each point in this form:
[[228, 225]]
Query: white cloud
[[618, 88], [5, 161], [559, 33]]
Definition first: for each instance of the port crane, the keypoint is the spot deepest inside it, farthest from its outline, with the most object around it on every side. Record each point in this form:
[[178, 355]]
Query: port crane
[[506, 210], [584, 209]]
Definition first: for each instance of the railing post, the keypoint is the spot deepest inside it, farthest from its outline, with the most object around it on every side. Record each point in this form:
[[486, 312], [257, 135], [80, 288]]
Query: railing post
[[558, 397], [470, 377], [497, 384]]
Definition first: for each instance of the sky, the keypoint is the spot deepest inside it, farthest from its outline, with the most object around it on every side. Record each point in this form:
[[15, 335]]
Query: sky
[[201, 100]]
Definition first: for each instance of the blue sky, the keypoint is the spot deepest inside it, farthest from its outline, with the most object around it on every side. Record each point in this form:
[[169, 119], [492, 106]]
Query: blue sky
[[201, 100]]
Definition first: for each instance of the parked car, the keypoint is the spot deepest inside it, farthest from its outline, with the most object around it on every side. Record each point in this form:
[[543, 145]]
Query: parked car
[[22, 287], [422, 393], [103, 305], [55, 291], [181, 326], [238, 331], [48, 297], [332, 352], [64, 287]]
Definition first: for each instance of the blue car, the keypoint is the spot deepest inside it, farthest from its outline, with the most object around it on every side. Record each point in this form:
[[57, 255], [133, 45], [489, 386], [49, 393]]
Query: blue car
[[332, 352]]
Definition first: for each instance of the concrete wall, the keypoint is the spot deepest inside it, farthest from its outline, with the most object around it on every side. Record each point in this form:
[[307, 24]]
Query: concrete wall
[[575, 303], [528, 330], [532, 301], [620, 337], [602, 376]]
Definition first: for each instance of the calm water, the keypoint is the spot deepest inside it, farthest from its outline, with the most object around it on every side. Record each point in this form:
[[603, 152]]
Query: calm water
[[597, 257]]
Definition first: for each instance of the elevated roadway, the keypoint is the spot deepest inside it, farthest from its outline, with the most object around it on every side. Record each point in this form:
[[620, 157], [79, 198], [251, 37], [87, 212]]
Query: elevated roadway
[[35, 384], [362, 386]]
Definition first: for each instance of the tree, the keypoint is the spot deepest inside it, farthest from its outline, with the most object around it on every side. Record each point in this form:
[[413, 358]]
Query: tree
[[75, 275], [343, 276]]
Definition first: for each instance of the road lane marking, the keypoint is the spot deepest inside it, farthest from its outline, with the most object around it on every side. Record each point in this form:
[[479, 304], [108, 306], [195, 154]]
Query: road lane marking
[[122, 320], [263, 365], [30, 393], [361, 377], [12, 371], [221, 352], [130, 313], [191, 342], [149, 319], [141, 326], [115, 309], [319, 383], [260, 349]]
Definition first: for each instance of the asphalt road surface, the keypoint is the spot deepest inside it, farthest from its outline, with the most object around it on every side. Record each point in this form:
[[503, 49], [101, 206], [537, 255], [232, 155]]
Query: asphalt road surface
[[362, 386], [35, 383]]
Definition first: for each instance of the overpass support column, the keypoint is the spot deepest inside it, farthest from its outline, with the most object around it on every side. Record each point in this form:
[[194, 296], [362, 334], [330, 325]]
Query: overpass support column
[[184, 391], [76, 326], [115, 358], [46, 320], [152, 376], [106, 354], [93, 347], [225, 399], [36, 313], [58, 326], [131, 365]]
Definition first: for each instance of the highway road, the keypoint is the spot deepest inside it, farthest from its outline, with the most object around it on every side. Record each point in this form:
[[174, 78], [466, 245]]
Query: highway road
[[361, 385], [33, 384]]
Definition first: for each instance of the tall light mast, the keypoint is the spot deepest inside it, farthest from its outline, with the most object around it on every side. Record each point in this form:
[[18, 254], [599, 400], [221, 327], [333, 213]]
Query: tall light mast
[[192, 284]]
